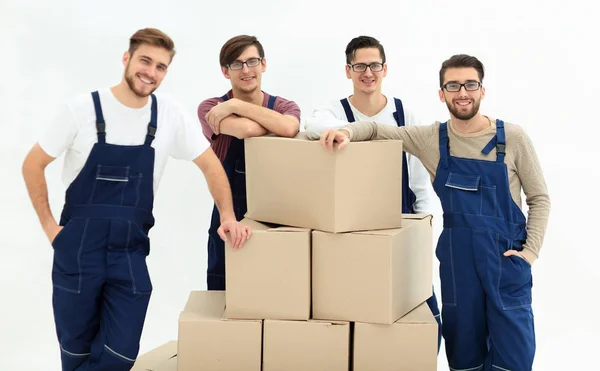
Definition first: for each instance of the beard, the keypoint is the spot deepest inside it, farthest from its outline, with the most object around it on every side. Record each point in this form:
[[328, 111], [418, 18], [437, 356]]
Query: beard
[[462, 115], [131, 83]]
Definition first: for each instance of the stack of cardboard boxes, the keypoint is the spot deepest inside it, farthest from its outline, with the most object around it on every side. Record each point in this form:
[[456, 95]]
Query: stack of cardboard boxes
[[333, 278]]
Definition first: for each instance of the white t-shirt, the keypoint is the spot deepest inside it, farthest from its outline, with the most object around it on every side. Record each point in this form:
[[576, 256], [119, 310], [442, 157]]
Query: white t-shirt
[[333, 116], [73, 131]]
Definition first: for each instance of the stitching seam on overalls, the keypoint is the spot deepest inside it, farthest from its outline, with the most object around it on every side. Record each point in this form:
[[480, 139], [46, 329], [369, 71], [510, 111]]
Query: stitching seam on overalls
[[74, 354], [500, 368], [119, 355], [467, 369]]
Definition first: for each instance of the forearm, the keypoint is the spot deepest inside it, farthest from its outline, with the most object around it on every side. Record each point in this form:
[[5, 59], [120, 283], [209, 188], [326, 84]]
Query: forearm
[[241, 127], [35, 181], [220, 189], [217, 182], [273, 121], [536, 195], [365, 131], [537, 221], [318, 123]]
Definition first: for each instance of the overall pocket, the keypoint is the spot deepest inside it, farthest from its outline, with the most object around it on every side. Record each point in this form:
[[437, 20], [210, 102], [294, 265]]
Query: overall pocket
[[62, 232], [115, 185], [469, 196], [128, 247], [515, 280], [140, 277], [66, 268], [240, 166], [238, 188]]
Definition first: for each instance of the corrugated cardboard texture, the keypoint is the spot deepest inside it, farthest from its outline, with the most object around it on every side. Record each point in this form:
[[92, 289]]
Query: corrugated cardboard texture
[[372, 276], [410, 344], [295, 182], [269, 277], [209, 341], [162, 358], [306, 345]]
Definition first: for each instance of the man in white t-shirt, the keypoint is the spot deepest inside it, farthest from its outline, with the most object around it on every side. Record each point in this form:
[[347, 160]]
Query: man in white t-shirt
[[366, 66], [116, 143]]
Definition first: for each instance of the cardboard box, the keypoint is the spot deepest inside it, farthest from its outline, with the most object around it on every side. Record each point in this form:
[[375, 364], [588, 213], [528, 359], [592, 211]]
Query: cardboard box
[[295, 182], [208, 341], [306, 345], [163, 358], [269, 277], [410, 344], [372, 276]]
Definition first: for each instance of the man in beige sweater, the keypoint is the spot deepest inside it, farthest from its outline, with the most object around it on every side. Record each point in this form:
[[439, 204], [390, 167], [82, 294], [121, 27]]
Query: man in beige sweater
[[478, 166]]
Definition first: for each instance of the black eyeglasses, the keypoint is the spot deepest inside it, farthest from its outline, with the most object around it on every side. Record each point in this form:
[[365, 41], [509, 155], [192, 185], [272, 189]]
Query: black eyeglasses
[[362, 67], [238, 65], [469, 86]]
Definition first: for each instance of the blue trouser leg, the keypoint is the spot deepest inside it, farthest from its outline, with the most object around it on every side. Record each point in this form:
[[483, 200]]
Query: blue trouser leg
[[463, 302], [100, 311], [123, 315], [512, 340], [77, 285], [433, 306], [215, 277], [508, 304], [126, 296], [488, 323]]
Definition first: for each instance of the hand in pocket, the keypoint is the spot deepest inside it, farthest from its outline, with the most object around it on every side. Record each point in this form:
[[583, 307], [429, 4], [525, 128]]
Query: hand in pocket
[[516, 253], [53, 231]]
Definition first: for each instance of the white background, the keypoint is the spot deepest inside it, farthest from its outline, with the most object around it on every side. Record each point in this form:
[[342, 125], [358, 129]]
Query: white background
[[541, 66]]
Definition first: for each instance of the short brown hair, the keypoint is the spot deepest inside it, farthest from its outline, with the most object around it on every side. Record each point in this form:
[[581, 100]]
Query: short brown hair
[[151, 36], [235, 46], [461, 61], [362, 42]]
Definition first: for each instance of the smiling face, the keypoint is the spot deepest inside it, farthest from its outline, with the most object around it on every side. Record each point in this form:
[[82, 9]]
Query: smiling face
[[146, 68], [462, 104], [247, 79], [367, 81]]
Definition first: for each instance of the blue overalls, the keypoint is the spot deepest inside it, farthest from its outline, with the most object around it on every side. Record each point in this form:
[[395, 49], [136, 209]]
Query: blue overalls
[[408, 197], [486, 297], [235, 168], [100, 279]]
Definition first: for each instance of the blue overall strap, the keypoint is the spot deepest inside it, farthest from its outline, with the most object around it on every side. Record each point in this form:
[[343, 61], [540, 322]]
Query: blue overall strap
[[488, 147], [153, 122], [493, 143], [501, 141], [408, 196], [349, 114], [399, 114], [225, 98], [100, 124], [444, 149], [271, 103]]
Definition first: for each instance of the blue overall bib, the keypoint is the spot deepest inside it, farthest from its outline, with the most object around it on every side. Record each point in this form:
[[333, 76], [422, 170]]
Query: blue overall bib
[[101, 285], [486, 297], [408, 196], [235, 168]]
